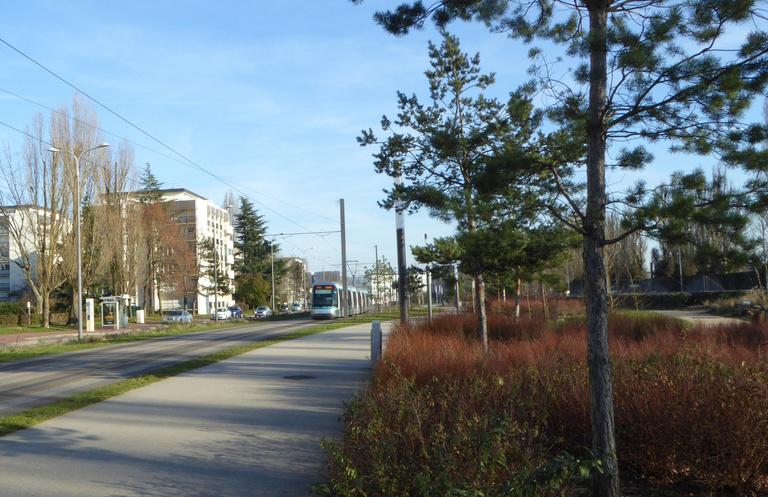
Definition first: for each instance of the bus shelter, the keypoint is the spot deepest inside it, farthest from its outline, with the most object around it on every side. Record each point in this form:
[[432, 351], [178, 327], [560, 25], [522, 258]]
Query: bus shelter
[[114, 311]]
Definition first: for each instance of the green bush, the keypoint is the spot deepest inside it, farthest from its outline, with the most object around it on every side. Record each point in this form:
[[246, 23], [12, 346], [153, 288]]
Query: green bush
[[59, 318], [9, 320], [12, 308]]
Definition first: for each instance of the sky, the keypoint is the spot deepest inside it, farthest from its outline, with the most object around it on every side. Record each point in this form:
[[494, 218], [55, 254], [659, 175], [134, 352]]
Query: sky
[[265, 98]]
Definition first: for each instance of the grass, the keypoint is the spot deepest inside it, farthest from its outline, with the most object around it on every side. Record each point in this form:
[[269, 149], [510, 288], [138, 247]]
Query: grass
[[37, 415], [442, 417]]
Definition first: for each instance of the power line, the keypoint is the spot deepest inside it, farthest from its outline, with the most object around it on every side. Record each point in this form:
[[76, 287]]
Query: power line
[[185, 159]]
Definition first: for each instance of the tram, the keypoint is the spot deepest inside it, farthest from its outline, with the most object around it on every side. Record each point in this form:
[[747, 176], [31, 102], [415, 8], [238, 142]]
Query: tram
[[327, 299]]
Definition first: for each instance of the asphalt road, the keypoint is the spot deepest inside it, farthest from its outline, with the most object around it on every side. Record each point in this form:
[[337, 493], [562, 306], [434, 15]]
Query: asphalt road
[[35, 382]]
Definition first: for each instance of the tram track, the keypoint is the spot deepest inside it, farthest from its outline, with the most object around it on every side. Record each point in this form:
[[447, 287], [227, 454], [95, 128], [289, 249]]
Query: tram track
[[35, 382]]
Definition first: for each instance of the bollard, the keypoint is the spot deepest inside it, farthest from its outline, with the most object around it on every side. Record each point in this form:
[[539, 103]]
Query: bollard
[[375, 342]]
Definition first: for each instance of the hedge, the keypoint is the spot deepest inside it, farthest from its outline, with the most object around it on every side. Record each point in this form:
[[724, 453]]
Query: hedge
[[15, 320]]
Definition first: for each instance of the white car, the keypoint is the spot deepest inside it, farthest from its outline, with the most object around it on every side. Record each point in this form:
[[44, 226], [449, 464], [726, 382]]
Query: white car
[[182, 317], [223, 313], [262, 312], [296, 307]]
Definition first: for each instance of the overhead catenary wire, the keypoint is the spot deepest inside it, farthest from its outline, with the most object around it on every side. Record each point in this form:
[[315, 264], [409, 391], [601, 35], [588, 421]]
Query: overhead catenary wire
[[186, 160]]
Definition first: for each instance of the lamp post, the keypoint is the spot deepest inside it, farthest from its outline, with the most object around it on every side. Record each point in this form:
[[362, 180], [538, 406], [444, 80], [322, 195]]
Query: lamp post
[[55, 150], [303, 278], [272, 257]]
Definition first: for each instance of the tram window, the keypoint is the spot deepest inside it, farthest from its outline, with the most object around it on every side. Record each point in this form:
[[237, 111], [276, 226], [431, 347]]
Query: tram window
[[324, 298]]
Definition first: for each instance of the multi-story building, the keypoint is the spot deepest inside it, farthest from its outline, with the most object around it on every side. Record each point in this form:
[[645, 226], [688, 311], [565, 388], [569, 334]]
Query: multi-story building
[[17, 249], [293, 286], [199, 218]]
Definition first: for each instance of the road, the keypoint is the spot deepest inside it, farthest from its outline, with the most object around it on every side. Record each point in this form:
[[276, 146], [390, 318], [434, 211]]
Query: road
[[44, 380]]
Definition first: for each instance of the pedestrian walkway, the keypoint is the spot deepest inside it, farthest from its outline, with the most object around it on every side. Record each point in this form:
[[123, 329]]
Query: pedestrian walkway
[[15, 340], [248, 426]]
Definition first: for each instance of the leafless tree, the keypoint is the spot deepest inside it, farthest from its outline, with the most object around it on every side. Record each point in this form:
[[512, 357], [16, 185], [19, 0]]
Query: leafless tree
[[75, 130], [37, 207]]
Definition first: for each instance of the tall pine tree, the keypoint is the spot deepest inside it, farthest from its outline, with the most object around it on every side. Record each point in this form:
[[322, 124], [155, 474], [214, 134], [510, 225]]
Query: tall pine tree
[[253, 251], [442, 148], [644, 70]]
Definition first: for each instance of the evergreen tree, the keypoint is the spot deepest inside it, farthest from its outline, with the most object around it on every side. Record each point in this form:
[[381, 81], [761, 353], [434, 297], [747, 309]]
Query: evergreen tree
[[707, 227], [213, 269], [254, 253], [150, 192], [444, 147], [653, 70]]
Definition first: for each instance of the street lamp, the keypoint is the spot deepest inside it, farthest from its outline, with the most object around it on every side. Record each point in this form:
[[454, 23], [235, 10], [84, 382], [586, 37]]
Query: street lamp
[[272, 258], [303, 277], [55, 150]]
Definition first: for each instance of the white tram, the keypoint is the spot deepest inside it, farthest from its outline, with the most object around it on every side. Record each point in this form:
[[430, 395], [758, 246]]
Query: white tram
[[327, 300]]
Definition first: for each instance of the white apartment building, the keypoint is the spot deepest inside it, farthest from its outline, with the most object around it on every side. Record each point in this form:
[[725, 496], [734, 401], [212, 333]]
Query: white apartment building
[[201, 218], [24, 219]]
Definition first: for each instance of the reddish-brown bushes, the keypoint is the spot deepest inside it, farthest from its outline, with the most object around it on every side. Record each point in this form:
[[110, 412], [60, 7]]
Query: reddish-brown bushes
[[691, 406]]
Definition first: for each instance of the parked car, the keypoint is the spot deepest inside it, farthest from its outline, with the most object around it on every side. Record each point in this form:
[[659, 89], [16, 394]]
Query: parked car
[[178, 317], [223, 313], [285, 308], [236, 311], [296, 307], [262, 312]]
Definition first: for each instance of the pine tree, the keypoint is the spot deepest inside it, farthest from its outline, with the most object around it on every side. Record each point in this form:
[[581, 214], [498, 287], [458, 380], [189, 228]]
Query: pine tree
[[254, 253], [442, 148], [150, 192], [649, 70]]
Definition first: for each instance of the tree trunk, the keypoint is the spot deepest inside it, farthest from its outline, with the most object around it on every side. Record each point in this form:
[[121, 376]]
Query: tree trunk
[[517, 297], [46, 310], [481, 315], [596, 292]]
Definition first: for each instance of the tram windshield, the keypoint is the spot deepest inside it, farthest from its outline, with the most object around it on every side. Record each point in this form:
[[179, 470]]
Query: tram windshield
[[325, 296]]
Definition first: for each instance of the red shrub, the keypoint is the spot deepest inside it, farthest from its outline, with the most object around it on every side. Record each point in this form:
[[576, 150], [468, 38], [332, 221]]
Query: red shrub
[[689, 405]]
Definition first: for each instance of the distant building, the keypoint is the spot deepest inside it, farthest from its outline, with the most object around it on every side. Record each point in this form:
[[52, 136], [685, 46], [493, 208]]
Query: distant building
[[326, 276], [199, 218], [293, 285], [14, 250]]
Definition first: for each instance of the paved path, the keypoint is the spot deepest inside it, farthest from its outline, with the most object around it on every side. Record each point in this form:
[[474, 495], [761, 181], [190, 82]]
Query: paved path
[[699, 317], [248, 426], [31, 339]]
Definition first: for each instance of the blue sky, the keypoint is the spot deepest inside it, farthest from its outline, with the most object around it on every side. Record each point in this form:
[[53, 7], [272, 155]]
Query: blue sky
[[269, 95]]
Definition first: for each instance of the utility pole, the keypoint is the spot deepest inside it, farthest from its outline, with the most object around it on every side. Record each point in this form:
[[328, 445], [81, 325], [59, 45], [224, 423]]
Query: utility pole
[[401, 270], [429, 285], [345, 301], [456, 273], [378, 297]]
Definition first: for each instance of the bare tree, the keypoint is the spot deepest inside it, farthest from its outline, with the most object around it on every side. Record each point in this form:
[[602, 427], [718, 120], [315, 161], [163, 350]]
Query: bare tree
[[37, 213], [75, 130], [120, 221]]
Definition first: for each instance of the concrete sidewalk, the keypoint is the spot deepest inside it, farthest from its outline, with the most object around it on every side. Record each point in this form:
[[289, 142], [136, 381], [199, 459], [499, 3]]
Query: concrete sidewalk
[[248, 426], [20, 340]]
